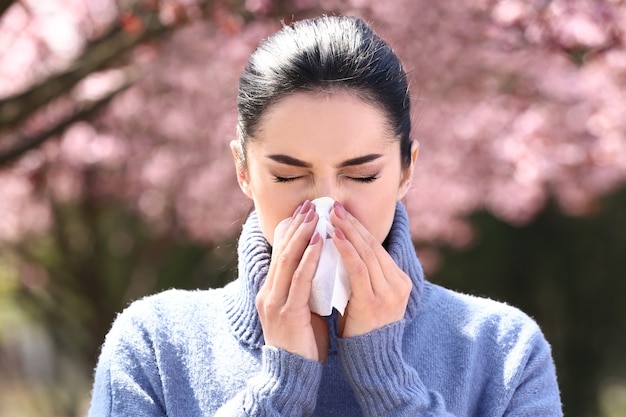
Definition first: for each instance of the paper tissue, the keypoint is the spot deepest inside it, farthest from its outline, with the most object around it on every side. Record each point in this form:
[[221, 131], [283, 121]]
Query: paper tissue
[[331, 284]]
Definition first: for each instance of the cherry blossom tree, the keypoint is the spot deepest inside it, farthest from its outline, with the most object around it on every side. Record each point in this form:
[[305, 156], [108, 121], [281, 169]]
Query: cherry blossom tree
[[515, 102], [111, 106]]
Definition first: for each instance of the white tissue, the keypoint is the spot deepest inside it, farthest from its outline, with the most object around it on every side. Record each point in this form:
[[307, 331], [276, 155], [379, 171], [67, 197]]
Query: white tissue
[[331, 283]]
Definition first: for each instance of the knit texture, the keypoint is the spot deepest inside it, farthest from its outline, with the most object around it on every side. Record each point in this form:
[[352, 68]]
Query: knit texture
[[202, 353]]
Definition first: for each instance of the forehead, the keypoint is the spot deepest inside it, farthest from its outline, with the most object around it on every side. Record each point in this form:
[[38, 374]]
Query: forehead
[[333, 121]]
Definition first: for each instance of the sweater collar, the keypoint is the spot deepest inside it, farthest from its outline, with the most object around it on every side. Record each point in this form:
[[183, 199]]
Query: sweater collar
[[254, 254]]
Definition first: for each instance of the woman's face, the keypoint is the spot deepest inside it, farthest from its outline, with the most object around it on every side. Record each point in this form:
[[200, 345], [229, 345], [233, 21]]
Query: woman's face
[[312, 145]]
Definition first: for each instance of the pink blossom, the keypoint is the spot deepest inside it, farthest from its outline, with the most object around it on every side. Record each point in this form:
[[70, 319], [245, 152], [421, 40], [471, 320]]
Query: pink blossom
[[506, 113]]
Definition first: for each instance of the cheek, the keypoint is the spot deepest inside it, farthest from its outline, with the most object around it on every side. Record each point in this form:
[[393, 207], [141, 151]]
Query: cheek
[[271, 213], [267, 227], [268, 224], [375, 207], [376, 218], [271, 206]]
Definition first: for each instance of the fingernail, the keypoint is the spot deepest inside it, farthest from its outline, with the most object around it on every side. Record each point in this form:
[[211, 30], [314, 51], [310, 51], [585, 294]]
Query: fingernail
[[316, 238], [339, 210], [305, 207], [295, 213], [339, 234], [309, 216]]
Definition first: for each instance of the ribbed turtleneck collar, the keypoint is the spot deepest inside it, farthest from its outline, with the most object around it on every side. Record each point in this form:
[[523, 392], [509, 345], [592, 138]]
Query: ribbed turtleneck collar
[[254, 253]]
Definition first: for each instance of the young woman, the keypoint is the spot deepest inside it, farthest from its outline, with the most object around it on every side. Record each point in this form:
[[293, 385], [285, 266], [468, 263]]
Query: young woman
[[324, 110]]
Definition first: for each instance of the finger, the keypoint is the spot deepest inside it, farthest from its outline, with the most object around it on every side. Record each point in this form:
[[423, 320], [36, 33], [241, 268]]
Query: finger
[[385, 275], [369, 247], [370, 251], [300, 289], [280, 231], [290, 255], [284, 231], [358, 271], [283, 234]]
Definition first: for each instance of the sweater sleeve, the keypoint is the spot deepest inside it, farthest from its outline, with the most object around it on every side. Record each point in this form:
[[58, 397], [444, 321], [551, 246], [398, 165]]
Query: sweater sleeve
[[384, 384], [128, 379], [535, 391], [286, 385]]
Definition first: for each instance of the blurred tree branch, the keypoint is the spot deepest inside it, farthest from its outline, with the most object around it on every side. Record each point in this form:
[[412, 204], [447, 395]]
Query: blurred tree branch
[[96, 56], [4, 5], [138, 27], [24, 143], [137, 24]]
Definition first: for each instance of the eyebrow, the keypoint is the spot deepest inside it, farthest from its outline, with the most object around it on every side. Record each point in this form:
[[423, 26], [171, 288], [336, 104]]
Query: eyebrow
[[289, 160], [359, 160]]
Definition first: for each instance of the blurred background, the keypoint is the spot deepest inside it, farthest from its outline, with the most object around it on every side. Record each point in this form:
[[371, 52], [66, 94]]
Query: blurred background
[[116, 180]]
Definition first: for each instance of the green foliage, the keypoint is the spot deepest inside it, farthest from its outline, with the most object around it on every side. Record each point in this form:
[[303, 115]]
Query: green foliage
[[568, 273], [10, 313]]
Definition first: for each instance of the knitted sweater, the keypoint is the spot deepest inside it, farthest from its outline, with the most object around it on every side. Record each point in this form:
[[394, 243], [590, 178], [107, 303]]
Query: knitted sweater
[[201, 353]]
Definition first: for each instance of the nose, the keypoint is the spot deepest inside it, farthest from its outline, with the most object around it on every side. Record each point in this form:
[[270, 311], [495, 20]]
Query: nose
[[326, 187]]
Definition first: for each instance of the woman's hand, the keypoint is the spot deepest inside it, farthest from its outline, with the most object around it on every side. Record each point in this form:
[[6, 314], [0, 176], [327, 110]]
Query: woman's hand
[[380, 289], [283, 300]]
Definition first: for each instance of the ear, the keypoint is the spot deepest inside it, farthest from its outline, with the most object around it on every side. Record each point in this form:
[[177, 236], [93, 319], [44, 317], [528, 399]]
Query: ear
[[242, 171], [407, 173]]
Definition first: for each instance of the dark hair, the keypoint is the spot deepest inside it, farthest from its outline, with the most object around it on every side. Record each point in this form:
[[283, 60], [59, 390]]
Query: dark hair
[[325, 53]]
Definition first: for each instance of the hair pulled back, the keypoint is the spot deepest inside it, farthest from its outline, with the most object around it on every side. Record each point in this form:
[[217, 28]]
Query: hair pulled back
[[325, 54]]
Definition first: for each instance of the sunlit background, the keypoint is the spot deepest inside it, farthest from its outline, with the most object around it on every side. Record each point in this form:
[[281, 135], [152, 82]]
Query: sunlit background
[[116, 180]]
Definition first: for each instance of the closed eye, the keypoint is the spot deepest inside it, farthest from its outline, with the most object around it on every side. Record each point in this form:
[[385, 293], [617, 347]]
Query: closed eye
[[365, 180], [285, 179], [371, 178]]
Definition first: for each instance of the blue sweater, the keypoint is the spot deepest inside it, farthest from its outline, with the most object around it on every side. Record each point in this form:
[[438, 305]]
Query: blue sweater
[[201, 353]]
